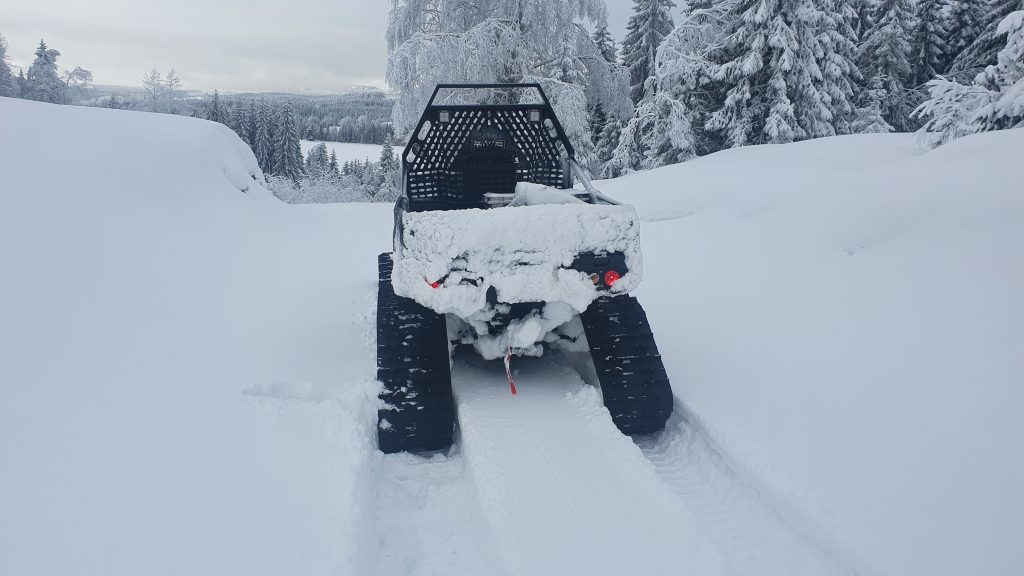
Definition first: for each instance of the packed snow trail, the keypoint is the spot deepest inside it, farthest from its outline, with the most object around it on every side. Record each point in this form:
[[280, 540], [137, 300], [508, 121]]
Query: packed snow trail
[[543, 482], [563, 491]]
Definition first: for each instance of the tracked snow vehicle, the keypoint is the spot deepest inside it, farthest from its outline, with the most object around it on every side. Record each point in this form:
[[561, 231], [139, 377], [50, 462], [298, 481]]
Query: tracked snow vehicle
[[495, 248]]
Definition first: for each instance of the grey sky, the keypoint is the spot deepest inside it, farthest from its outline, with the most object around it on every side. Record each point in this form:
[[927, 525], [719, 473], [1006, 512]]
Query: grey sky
[[260, 45]]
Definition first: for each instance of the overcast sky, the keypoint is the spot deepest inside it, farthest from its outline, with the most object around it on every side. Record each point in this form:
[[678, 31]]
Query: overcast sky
[[257, 45]]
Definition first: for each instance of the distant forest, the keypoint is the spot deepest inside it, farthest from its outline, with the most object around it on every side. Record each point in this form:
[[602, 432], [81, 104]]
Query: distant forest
[[363, 117]]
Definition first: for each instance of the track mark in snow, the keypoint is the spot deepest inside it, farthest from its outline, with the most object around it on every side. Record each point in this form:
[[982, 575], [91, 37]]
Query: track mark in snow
[[752, 535], [428, 521], [563, 491]]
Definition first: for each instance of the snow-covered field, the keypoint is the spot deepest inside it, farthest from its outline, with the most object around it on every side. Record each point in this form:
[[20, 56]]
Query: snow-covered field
[[186, 373], [346, 150]]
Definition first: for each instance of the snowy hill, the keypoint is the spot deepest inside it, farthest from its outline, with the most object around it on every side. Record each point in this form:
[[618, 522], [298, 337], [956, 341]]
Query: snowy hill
[[186, 372]]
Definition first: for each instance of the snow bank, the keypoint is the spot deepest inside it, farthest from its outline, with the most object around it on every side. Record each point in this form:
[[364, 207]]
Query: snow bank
[[846, 317], [186, 381]]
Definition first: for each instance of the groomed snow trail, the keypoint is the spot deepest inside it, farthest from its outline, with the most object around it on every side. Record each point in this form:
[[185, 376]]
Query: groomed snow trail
[[561, 489]]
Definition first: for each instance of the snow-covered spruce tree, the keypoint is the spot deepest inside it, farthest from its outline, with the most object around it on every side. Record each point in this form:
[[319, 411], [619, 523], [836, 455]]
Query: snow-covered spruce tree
[[318, 161], [840, 72], [43, 84], [214, 111], [598, 120], [606, 44], [930, 48], [287, 150], [435, 41], [8, 86], [251, 123], [263, 144], [965, 23], [605, 145], [885, 59], [869, 119], [863, 17], [650, 23], [239, 122], [787, 73], [332, 164], [995, 100], [1005, 80], [985, 48]]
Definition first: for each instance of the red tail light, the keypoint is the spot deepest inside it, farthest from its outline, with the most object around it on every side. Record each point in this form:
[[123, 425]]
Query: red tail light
[[435, 285], [611, 277]]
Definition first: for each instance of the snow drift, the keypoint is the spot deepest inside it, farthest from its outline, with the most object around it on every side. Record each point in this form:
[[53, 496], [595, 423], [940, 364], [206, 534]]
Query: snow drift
[[175, 395], [186, 370], [846, 317]]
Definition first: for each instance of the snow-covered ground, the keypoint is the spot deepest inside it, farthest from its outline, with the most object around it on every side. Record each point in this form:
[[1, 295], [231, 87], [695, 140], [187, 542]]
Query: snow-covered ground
[[346, 150], [186, 373]]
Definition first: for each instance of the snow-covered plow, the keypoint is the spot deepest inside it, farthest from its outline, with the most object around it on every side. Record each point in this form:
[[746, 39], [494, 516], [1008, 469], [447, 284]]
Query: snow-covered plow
[[495, 249]]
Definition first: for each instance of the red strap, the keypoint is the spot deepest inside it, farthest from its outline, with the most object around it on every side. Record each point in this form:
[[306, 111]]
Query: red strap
[[508, 370]]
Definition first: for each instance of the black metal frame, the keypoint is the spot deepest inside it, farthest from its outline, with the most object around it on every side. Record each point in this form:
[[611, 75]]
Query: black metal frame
[[512, 143]]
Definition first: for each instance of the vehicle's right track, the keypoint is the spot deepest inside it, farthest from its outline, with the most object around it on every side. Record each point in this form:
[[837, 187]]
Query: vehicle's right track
[[633, 381]]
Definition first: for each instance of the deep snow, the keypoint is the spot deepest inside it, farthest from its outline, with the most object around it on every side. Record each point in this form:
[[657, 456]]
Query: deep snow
[[186, 372]]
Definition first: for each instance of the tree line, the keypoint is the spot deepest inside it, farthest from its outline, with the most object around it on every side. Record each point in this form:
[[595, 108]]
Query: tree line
[[708, 75], [739, 72]]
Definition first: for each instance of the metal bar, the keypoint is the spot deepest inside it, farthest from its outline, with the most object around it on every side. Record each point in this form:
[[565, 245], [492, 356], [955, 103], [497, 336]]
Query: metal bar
[[534, 85]]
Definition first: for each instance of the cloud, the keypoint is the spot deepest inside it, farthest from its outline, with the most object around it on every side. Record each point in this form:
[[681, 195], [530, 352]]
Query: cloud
[[319, 45]]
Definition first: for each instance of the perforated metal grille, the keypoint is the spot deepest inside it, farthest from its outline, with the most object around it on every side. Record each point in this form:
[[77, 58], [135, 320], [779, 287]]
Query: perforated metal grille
[[459, 153]]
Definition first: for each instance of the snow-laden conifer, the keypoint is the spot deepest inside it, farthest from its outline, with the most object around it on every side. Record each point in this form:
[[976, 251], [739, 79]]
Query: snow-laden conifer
[[263, 144], [287, 153], [966, 22], [994, 101], [606, 44], [8, 85], [885, 59], [787, 72], [43, 83], [985, 48], [931, 50], [215, 111], [650, 23], [239, 122]]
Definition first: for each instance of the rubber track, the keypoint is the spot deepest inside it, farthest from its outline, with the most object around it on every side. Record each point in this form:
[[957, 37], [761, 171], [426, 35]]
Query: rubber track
[[413, 365], [633, 381]]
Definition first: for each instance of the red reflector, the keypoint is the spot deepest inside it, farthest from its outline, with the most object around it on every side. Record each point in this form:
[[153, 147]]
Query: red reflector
[[435, 284], [611, 277]]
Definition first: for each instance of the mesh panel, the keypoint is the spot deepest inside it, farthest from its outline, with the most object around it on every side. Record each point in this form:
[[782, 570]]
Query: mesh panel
[[459, 153]]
